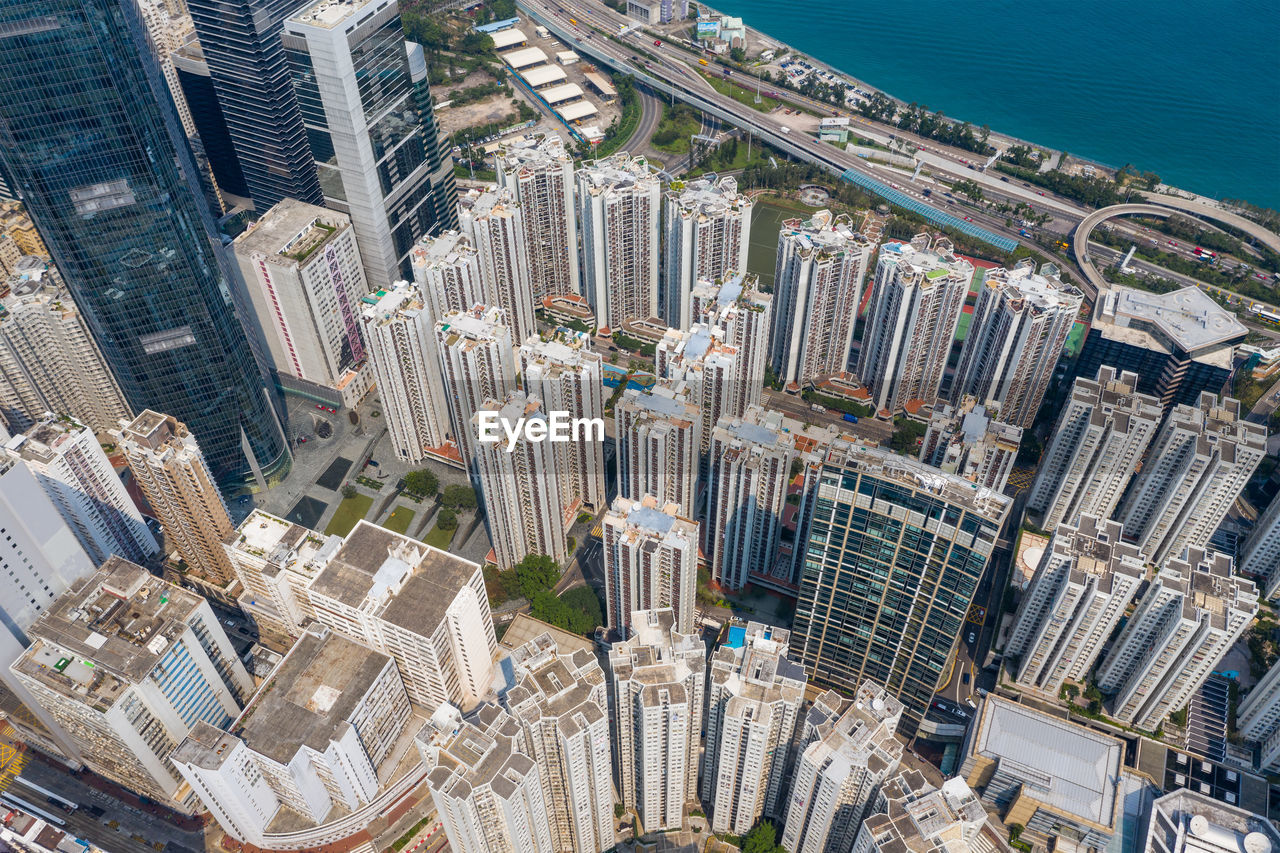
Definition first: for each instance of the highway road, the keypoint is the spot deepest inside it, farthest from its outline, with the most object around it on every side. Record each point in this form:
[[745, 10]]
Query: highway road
[[1111, 256]]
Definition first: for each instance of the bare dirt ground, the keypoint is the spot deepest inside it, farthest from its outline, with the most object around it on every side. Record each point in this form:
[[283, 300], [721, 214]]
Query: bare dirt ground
[[496, 108]]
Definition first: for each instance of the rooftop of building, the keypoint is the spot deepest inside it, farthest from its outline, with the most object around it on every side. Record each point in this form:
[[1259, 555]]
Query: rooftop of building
[[1041, 290], [329, 13], [970, 423], [705, 197], [920, 818], [617, 171], [43, 441], [1183, 321], [1094, 547], [661, 403], [565, 349], [107, 633], [276, 540], [924, 257], [399, 579], [386, 306], [311, 696], [656, 653], [548, 683], [540, 150], [153, 430], [1205, 825], [916, 475], [827, 232], [646, 517], [753, 662], [524, 628], [291, 232], [480, 323], [1068, 768], [478, 751], [446, 249]]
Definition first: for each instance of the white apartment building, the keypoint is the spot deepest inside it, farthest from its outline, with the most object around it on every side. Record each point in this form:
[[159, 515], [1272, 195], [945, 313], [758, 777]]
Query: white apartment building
[[1097, 444], [659, 690], [839, 773], [708, 230], [911, 814], [128, 665], [276, 560], [817, 286], [750, 472], [446, 269], [562, 702], [753, 705], [315, 743], [368, 142], [494, 223], [426, 608], [1191, 614], [40, 558], [400, 329], [1020, 325], [486, 789], [568, 376], [1076, 599], [171, 472], [520, 486], [305, 280], [477, 363], [619, 204], [75, 473], [657, 446], [968, 441], [1200, 462], [1188, 821], [539, 171], [49, 361], [701, 361], [1261, 555], [650, 562], [736, 306], [1258, 719], [916, 301]]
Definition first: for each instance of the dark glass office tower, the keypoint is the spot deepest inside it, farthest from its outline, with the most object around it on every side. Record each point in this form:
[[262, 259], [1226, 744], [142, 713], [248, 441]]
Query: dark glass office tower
[[241, 42], [894, 553], [206, 112], [90, 136]]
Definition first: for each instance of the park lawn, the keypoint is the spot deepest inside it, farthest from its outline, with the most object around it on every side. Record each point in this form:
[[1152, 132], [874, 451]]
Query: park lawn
[[399, 520], [685, 125], [439, 538], [744, 94], [1075, 340], [348, 513], [712, 164]]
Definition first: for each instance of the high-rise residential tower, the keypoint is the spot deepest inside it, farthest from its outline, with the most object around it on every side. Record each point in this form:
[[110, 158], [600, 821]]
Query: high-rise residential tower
[[911, 814], [916, 301], [486, 789], [567, 376], [650, 562], [657, 436], [446, 268], [967, 440], [49, 361], [477, 363], [838, 775], [562, 702], [540, 173], [128, 664], [170, 470], [241, 45], [1191, 614], [493, 222], [659, 676], [112, 189], [751, 460], [881, 596], [1200, 462], [401, 335], [708, 228], [1020, 325], [619, 204], [1261, 554], [743, 313], [371, 128], [1075, 601], [817, 286], [1097, 442], [1259, 719], [302, 267], [75, 473], [753, 704]]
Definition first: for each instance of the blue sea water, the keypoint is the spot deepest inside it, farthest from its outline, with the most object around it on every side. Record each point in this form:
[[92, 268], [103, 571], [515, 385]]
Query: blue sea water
[[1189, 90]]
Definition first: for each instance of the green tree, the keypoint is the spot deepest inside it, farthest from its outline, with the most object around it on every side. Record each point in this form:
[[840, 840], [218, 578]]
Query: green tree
[[762, 838], [349, 491], [905, 434], [422, 482], [447, 519], [458, 496], [536, 572], [738, 54]]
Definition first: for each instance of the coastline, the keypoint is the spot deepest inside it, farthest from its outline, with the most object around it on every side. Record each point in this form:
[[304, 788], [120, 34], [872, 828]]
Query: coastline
[[998, 137]]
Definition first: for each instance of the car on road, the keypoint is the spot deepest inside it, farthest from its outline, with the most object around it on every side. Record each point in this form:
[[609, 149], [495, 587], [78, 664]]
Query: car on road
[[964, 678], [973, 637], [228, 623], [968, 219], [657, 43]]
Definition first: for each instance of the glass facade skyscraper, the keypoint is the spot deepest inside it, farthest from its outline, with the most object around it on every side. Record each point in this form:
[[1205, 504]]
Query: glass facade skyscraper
[[369, 119], [94, 146], [241, 42], [894, 550]]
